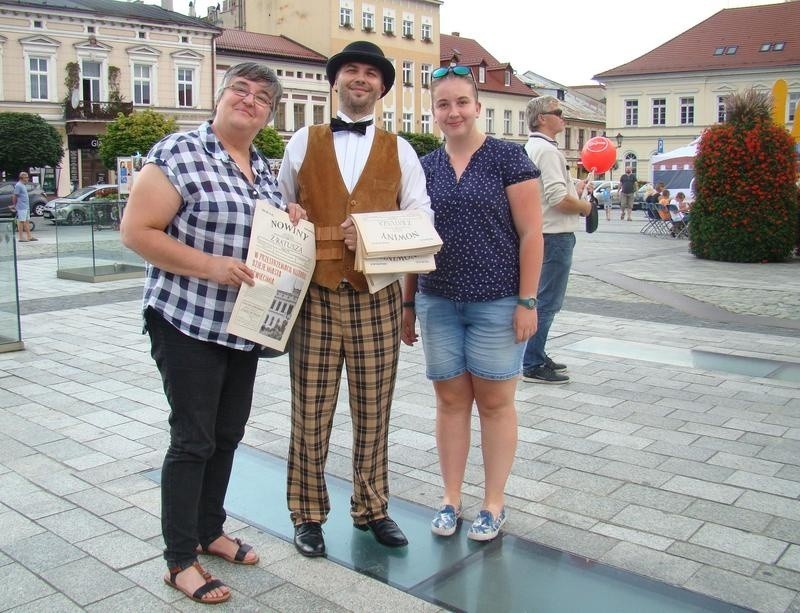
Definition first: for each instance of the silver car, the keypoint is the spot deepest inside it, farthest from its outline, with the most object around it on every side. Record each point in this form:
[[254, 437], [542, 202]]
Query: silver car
[[92, 204]]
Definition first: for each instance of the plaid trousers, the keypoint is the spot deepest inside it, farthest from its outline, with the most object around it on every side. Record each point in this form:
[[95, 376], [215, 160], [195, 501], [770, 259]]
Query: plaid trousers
[[361, 330]]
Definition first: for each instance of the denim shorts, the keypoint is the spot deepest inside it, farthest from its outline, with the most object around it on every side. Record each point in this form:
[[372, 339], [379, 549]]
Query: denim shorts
[[24, 215], [474, 337]]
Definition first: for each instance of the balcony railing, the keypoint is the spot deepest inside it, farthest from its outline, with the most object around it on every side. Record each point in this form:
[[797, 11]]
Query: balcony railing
[[97, 110]]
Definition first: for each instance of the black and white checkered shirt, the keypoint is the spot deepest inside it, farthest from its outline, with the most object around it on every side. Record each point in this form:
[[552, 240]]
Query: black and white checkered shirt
[[215, 217]]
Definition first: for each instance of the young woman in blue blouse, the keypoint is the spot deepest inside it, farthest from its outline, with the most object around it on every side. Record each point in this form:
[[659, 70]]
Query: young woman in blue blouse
[[478, 308]]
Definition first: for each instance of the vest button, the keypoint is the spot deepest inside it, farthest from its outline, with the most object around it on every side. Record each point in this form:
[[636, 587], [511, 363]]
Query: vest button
[[353, 203]]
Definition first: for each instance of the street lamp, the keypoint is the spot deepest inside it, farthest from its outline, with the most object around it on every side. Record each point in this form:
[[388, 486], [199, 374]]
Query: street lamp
[[619, 138]]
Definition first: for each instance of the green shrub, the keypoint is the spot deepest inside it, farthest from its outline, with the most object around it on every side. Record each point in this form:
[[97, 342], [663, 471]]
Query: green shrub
[[745, 207]]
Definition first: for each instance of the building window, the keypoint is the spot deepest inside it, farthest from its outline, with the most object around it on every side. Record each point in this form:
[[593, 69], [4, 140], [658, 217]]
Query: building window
[[408, 69], [408, 28], [37, 69], [142, 83], [299, 115], [481, 74], [722, 113], [90, 81], [687, 111], [368, 21], [319, 114], [426, 31], [185, 40], [581, 138], [794, 97], [280, 117], [185, 87], [345, 17], [631, 161], [779, 46], [631, 112], [38, 24], [408, 122], [91, 30], [567, 138], [507, 78], [425, 125], [425, 75], [388, 24], [523, 125], [490, 121], [593, 133], [659, 111], [731, 50], [388, 121], [142, 35], [506, 122]]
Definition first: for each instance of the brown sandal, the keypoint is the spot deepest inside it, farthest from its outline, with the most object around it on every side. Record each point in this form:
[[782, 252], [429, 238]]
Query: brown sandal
[[239, 557], [197, 596]]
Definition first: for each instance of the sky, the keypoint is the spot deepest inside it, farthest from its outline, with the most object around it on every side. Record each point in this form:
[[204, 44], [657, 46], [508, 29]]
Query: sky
[[568, 41]]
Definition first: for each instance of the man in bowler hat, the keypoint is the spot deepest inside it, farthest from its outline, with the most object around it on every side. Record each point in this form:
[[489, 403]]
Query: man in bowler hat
[[333, 170]]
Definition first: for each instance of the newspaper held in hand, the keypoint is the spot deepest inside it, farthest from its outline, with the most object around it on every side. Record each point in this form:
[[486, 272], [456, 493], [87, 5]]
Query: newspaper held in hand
[[393, 243], [282, 256]]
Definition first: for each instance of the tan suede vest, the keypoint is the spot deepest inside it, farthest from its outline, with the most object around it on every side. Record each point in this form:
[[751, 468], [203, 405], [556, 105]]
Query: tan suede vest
[[322, 192]]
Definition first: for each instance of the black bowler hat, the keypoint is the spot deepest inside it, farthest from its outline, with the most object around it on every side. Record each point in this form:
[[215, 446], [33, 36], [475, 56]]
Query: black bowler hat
[[367, 53]]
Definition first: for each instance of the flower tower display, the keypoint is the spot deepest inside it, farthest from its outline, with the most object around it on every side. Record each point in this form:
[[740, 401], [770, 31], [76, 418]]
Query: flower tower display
[[745, 207]]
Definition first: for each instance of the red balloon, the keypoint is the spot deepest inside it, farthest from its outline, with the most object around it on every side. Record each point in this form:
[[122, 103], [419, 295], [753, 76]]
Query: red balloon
[[598, 154]]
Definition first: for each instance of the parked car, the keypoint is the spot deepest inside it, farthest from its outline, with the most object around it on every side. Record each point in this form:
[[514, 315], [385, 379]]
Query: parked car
[[641, 194], [606, 192], [36, 197], [92, 204]]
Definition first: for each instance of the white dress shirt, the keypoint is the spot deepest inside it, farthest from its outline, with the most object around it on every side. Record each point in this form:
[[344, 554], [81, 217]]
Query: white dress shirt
[[352, 151]]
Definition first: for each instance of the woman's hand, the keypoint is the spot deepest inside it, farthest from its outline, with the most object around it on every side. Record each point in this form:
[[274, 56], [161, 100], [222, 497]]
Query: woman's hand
[[296, 212], [408, 330], [525, 323]]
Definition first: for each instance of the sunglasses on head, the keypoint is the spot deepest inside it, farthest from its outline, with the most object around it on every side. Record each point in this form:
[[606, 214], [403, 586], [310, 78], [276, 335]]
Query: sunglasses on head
[[459, 71], [557, 112]]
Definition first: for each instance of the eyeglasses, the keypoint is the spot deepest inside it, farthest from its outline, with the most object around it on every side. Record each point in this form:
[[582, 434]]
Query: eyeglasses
[[557, 112], [242, 91], [459, 71]]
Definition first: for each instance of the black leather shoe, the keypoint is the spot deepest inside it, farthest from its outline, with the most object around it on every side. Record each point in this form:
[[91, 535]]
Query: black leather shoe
[[386, 532], [308, 539]]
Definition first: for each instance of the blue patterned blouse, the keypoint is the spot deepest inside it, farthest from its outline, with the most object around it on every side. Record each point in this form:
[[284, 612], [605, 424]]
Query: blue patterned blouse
[[479, 260]]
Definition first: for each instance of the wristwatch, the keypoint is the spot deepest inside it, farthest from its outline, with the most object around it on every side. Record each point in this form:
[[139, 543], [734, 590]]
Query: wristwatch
[[528, 303]]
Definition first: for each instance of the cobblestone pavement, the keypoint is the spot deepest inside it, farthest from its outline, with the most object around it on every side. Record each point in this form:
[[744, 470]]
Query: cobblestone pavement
[[685, 475]]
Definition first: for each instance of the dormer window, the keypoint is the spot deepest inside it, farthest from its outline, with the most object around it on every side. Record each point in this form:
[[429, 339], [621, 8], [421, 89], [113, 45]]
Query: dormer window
[[731, 50], [778, 46], [766, 47], [719, 50], [507, 78], [481, 74]]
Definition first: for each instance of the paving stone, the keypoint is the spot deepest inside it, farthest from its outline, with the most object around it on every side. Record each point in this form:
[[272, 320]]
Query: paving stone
[[771, 485], [749, 464], [19, 586], [703, 489], [697, 470], [680, 451], [16, 527], [663, 566], [76, 525], [779, 576], [635, 474], [713, 557], [611, 425], [54, 603], [133, 599], [572, 540], [98, 501], [314, 574], [620, 440], [744, 591], [726, 515], [42, 551], [569, 443], [783, 530], [786, 451], [367, 595], [756, 426], [586, 482], [119, 550], [669, 436], [112, 471], [739, 542], [289, 598], [734, 447], [600, 507], [565, 428], [630, 456], [791, 559], [769, 503], [652, 497], [657, 522], [571, 459], [70, 579], [619, 533]]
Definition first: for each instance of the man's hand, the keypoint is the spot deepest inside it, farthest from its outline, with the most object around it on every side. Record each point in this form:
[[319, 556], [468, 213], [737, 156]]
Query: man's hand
[[350, 234], [296, 212]]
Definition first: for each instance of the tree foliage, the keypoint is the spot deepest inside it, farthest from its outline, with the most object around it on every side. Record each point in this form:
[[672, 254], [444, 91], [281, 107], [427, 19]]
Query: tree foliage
[[27, 140], [137, 132], [746, 199], [423, 144], [269, 143]]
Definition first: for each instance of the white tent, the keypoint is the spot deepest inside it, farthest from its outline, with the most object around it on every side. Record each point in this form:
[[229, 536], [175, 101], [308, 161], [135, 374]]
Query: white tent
[[675, 169]]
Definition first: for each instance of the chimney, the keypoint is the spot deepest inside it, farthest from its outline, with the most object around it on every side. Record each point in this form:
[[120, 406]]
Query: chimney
[[167, 5], [455, 33], [191, 10]]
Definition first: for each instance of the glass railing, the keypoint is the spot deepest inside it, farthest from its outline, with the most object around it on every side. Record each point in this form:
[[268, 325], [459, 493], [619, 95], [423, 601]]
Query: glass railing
[[10, 330]]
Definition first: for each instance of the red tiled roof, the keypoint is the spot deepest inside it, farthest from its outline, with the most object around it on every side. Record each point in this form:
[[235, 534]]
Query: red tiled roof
[[746, 28], [471, 53], [267, 44]]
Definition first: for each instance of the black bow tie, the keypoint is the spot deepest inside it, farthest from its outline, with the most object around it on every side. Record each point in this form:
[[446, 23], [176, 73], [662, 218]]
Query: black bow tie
[[339, 125]]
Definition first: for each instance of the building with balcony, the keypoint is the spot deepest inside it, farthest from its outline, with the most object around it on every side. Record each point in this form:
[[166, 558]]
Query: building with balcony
[[502, 94], [77, 63], [667, 97], [306, 92], [406, 30]]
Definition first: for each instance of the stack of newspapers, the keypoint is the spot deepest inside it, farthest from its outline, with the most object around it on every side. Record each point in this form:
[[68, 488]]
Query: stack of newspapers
[[393, 243]]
